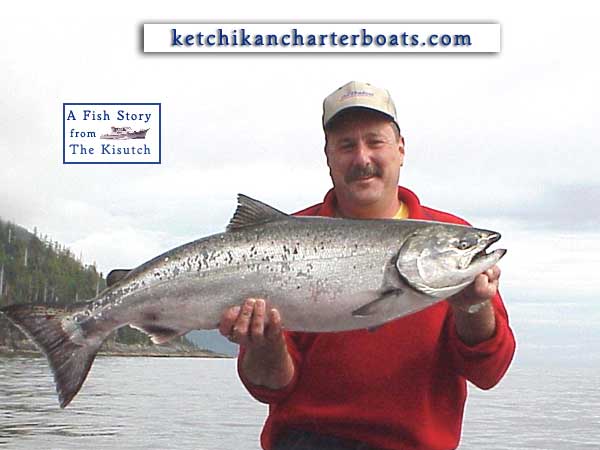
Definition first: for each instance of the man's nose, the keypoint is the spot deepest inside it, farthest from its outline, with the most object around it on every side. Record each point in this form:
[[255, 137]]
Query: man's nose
[[362, 154]]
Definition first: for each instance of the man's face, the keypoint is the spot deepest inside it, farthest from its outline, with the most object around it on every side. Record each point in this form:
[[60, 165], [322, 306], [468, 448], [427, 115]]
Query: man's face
[[364, 155]]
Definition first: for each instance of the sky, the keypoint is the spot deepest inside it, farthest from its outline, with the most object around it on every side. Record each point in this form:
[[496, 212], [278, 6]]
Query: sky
[[508, 141]]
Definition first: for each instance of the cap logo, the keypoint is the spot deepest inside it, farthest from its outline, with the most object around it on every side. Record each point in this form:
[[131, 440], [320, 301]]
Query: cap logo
[[356, 94]]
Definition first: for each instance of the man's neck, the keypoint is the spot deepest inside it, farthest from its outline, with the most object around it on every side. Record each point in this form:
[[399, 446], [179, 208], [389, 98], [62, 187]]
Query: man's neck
[[375, 211]]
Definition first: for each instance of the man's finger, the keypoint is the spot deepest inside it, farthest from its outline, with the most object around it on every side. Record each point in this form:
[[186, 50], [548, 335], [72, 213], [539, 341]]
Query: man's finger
[[273, 330], [257, 327], [479, 284], [228, 319], [239, 332], [484, 287], [496, 272], [493, 273]]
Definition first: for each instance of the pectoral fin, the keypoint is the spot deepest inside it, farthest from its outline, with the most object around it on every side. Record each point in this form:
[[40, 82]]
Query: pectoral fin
[[385, 302]]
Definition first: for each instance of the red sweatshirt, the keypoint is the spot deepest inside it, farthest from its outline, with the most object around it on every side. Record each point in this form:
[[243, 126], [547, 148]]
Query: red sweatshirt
[[402, 386]]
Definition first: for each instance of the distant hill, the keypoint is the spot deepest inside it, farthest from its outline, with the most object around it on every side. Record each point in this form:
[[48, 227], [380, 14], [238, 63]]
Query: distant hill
[[18, 232], [35, 269], [212, 340]]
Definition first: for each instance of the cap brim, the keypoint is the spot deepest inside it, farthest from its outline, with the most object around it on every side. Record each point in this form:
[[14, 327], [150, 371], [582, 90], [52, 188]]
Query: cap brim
[[360, 107]]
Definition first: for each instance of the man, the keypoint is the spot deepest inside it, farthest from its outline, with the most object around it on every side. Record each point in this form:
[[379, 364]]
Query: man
[[403, 385]]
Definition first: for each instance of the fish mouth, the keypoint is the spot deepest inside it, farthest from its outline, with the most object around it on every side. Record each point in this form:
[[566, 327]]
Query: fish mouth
[[483, 256]]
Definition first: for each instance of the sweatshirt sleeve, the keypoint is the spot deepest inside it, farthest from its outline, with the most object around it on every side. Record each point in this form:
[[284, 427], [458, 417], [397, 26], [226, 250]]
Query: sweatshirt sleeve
[[484, 364], [267, 395]]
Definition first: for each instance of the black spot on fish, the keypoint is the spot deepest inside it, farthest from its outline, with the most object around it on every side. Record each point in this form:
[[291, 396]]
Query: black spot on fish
[[150, 317]]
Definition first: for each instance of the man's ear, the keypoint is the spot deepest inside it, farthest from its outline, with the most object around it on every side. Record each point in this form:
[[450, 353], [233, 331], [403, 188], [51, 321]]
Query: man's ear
[[401, 148]]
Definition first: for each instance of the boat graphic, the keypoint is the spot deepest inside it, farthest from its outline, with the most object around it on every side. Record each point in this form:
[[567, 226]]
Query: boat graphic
[[125, 133]]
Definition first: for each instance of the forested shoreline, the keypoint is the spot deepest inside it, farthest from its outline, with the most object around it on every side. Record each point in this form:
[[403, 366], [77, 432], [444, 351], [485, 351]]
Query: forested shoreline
[[36, 269]]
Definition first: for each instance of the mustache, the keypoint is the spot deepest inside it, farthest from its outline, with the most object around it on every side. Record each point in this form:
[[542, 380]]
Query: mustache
[[357, 172]]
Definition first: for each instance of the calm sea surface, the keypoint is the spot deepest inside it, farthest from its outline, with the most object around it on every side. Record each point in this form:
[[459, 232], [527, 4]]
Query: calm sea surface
[[179, 403]]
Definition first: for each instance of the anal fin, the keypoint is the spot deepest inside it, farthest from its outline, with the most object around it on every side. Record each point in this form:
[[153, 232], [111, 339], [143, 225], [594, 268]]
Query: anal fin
[[159, 334]]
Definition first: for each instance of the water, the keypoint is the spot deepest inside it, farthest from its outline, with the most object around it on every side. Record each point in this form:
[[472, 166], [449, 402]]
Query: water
[[551, 408], [178, 403], [130, 403]]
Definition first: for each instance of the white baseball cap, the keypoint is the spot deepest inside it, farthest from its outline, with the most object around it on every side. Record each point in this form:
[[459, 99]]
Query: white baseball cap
[[357, 94]]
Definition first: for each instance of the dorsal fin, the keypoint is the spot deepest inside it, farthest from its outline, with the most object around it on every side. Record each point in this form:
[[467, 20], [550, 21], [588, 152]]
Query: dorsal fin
[[252, 212]]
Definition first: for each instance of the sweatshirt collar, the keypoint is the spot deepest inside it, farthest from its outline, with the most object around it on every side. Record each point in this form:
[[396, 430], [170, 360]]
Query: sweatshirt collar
[[404, 194]]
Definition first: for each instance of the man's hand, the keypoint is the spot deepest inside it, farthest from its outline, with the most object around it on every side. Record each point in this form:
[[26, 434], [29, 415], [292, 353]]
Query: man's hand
[[482, 289], [245, 325], [266, 360], [473, 309]]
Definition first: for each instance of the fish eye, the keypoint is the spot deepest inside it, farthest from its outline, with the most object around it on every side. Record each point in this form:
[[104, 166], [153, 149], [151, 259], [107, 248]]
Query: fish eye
[[463, 245]]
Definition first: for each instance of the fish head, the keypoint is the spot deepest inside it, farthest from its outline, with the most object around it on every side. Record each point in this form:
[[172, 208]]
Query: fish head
[[442, 259]]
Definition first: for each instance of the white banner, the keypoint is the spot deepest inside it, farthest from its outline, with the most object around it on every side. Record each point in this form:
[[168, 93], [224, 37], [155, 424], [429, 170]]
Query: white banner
[[322, 38]]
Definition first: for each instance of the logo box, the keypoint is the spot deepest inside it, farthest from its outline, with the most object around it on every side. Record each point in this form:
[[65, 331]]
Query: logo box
[[111, 133]]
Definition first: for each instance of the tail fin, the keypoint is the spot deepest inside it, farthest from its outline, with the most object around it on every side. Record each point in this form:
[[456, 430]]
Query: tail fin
[[70, 353]]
